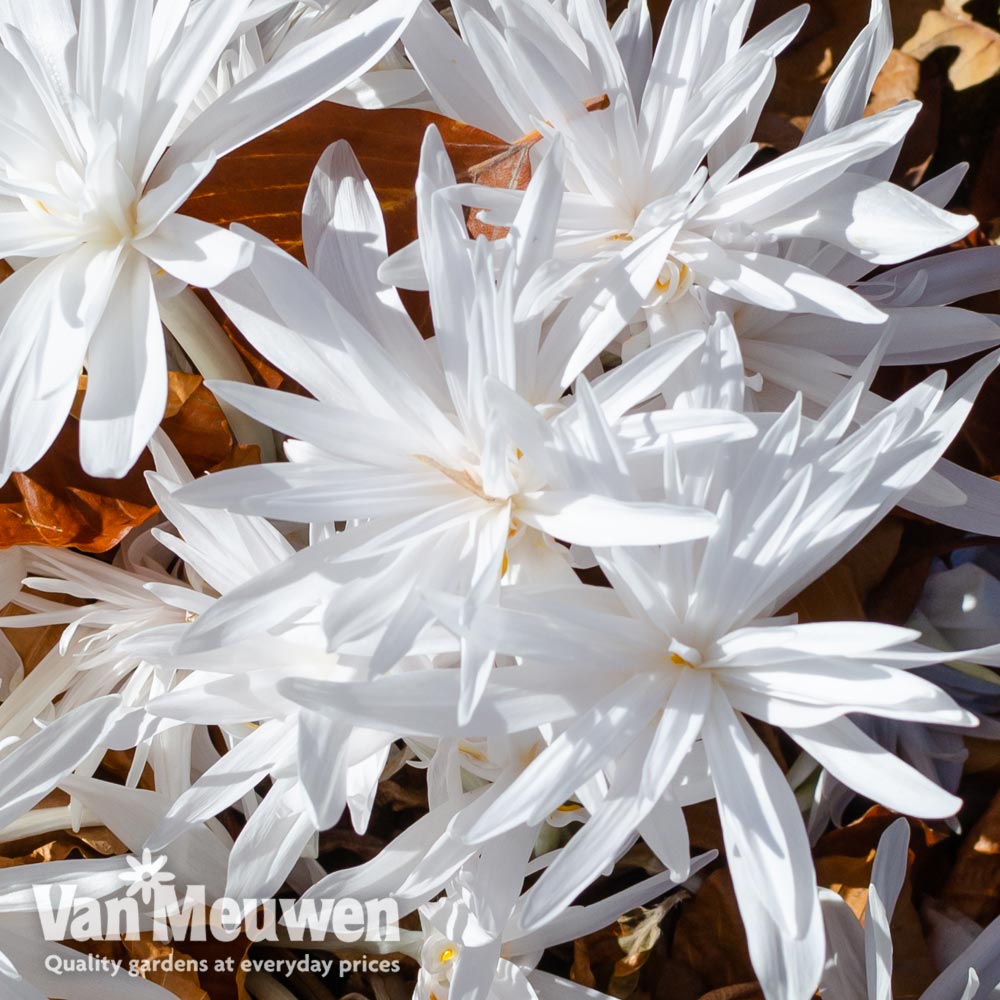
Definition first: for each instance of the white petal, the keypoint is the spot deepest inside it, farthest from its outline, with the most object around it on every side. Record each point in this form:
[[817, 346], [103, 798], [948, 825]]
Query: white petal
[[196, 252], [30, 771], [587, 519], [871, 770], [126, 376]]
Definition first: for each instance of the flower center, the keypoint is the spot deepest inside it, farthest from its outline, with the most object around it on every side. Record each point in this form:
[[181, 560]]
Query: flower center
[[674, 281], [462, 477], [681, 654], [436, 964], [88, 196]]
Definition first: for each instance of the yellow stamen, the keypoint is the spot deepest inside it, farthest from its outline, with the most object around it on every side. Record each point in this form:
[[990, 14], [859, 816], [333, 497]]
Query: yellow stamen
[[682, 276], [447, 955], [471, 752], [568, 807], [462, 478], [679, 661]]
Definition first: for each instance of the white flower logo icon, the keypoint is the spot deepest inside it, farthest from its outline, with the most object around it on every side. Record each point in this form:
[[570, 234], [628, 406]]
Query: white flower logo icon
[[147, 876]]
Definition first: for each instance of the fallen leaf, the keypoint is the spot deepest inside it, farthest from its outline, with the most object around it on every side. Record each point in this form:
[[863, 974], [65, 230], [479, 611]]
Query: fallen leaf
[[263, 184], [973, 887], [709, 936], [903, 78], [805, 67], [581, 971], [612, 959], [704, 827], [639, 933], [188, 969], [985, 202], [739, 991], [840, 593], [897, 81], [55, 503], [978, 57], [844, 860], [32, 644], [90, 842]]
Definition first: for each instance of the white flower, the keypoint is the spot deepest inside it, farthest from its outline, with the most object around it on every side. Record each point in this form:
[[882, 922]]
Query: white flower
[[37, 763], [462, 453], [271, 29], [650, 683], [473, 945], [956, 609], [670, 150], [109, 663], [90, 192]]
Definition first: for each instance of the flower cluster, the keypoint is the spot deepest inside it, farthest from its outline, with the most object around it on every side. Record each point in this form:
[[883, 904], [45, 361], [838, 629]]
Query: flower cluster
[[545, 550]]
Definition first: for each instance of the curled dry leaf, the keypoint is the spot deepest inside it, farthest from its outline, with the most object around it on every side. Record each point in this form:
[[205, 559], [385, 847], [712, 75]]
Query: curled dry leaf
[[985, 202], [639, 934], [807, 64], [31, 644], [183, 983], [90, 842], [612, 958], [201, 970], [740, 991], [56, 503], [978, 56], [274, 171]]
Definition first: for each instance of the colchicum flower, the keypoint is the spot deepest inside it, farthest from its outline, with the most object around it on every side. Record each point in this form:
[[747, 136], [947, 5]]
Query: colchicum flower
[[547, 552], [654, 679], [462, 454], [669, 150], [787, 248], [91, 177]]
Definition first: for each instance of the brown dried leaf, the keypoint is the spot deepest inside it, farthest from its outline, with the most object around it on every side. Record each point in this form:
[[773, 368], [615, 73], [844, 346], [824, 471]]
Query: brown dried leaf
[[31, 644], [55, 503], [274, 171], [91, 842], [806, 66], [985, 203], [844, 863], [263, 184], [974, 883], [840, 593], [897, 81], [196, 976], [739, 991], [709, 936], [978, 57], [581, 971]]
